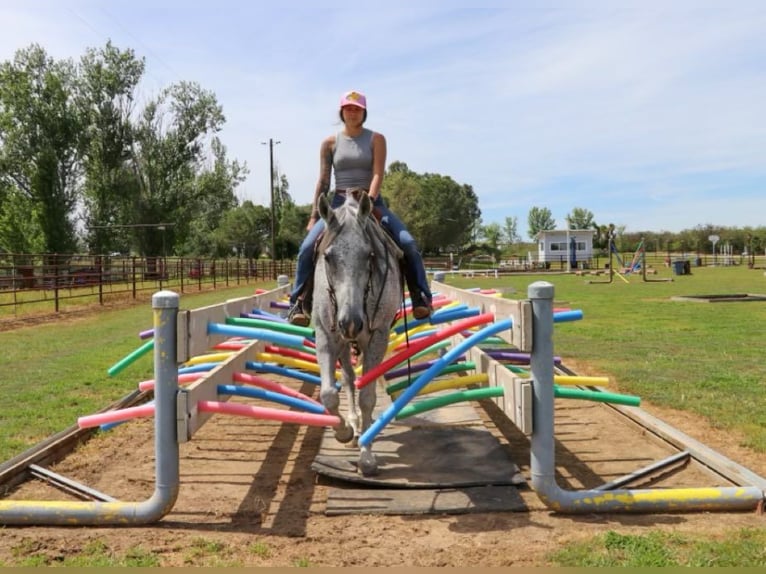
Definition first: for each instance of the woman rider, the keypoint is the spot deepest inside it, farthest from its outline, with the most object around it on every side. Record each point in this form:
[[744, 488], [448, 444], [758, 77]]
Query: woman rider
[[356, 156]]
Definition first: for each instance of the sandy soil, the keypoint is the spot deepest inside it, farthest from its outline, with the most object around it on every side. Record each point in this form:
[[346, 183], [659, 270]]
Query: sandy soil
[[249, 497]]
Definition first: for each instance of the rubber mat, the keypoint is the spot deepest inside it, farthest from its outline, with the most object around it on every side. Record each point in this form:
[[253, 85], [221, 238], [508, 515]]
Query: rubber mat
[[440, 461]]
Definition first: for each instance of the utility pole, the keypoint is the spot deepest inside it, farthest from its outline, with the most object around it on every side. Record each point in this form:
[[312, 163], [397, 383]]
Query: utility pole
[[272, 143]]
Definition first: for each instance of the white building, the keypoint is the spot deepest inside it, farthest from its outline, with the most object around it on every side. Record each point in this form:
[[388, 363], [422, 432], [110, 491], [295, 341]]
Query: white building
[[567, 245]]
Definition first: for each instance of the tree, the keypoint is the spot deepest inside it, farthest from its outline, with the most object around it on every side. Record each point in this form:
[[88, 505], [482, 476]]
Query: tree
[[245, 230], [511, 230], [439, 212], [106, 97], [169, 148], [40, 130], [492, 234], [579, 218], [540, 219]]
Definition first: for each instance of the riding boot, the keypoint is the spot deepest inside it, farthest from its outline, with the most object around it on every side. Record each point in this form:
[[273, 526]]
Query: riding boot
[[421, 306], [300, 312]]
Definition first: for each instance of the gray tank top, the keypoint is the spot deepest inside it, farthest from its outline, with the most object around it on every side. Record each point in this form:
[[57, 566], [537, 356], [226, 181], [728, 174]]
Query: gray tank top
[[352, 160]]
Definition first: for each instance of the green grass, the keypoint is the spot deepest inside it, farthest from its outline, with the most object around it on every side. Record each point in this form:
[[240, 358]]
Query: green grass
[[96, 553], [706, 358], [742, 548], [52, 374]]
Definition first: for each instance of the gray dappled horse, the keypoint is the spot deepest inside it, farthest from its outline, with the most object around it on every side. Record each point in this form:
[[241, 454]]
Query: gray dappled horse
[[357, 291]]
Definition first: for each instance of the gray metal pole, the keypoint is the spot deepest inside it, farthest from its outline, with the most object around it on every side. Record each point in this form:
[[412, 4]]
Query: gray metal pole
[[542, 459], [83, 513]]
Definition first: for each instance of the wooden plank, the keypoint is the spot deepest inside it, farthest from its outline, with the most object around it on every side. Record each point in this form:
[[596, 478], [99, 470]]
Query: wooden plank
[[491, 498]]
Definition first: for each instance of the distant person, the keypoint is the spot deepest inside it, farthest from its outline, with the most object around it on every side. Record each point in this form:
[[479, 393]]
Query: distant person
[[356, 157]]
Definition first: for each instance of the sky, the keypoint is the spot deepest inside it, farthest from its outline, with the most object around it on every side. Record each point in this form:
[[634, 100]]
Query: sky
[[649, 113]]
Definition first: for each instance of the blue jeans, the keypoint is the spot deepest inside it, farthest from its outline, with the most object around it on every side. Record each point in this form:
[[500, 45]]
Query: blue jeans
[[416, 276]]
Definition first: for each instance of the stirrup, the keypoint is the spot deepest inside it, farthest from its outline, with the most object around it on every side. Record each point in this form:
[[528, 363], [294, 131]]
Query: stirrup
[[421, 308], [296, 316]]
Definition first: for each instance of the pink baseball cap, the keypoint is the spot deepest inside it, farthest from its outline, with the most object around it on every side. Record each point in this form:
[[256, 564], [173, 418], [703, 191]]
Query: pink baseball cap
[[353, 98]]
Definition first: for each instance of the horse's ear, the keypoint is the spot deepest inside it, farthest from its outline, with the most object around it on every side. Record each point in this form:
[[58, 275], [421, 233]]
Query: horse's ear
[[365, 207], [325, 210]]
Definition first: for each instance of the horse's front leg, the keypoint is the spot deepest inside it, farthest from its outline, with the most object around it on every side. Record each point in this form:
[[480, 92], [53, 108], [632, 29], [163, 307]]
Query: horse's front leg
[[347, 381], [376, 350], [328, 392]]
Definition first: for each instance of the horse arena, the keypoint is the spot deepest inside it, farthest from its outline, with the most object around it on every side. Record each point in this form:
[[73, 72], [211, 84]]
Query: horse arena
[[490, 449]]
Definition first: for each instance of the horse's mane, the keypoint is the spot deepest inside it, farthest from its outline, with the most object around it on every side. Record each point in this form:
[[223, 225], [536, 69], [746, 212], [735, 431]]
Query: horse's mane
[[380, 241]]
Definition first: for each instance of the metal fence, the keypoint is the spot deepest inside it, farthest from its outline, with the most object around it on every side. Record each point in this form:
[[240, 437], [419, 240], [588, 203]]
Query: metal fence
[[49, 281]]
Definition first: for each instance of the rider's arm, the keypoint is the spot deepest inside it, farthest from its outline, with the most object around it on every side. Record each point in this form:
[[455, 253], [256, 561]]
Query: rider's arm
[[378, 164], [325, 172]]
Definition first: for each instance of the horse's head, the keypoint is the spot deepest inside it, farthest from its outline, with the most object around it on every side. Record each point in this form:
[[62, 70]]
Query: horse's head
[[346, 257]]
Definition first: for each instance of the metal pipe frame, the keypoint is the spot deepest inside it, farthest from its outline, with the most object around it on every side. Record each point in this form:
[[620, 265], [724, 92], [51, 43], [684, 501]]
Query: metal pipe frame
[[543, 466], [87, 513]]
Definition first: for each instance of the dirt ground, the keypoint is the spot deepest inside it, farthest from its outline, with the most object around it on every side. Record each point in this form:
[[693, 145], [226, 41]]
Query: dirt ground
[[248, 497]]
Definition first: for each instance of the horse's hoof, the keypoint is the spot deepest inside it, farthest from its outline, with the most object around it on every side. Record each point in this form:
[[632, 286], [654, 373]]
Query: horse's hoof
[[345, 434], [368, 466]]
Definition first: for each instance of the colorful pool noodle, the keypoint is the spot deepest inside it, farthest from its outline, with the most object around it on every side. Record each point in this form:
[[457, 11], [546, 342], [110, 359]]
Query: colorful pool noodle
[[263, 394], [270, 335], [410, 392], [448, 370], [269, 325], [131, 358], [207, 358], [279, 305], [146, 334], [312, 367], [259, 314], [285, 372], [439, 317], [201, 368], [114, 416], [294, 353], [269, 385], [524, 358], [566, 316], [580, 380], [282, 415], [447, 384], [416, 368], [450, 399], [421, 344], [597, 396], [488, 392]]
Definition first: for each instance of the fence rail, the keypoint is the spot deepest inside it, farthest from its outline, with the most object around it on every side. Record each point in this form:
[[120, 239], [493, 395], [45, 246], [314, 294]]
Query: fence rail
[[48, 282]]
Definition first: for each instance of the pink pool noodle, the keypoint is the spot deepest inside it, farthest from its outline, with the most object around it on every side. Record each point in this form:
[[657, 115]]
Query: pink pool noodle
[[116, 416], [268, 414]]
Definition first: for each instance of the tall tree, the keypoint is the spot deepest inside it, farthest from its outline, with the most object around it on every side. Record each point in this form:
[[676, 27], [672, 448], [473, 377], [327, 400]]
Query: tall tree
[[168, 152], [40, 131], [106, 96], [539, 219], [579, 218], [511, 230], [439, 212]]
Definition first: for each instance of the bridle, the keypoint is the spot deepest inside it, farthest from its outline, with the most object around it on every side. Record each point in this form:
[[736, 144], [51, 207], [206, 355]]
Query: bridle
[[374, 239]]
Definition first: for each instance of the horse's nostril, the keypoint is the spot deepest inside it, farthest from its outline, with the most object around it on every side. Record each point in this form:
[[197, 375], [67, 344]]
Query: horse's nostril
[[350, 326]]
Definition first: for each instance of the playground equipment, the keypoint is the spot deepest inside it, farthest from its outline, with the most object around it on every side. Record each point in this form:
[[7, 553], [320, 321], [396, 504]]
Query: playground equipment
[[637, 265], [526, 398]]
